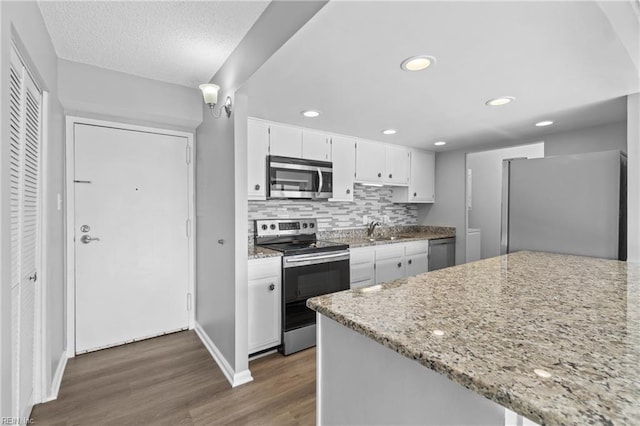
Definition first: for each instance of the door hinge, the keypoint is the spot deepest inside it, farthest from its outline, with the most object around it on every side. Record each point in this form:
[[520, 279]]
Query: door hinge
[[188, 150], [188, 228], [188, 301]]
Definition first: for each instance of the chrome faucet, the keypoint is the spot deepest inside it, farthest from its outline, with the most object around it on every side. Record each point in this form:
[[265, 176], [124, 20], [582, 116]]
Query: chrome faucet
[[372, 227]]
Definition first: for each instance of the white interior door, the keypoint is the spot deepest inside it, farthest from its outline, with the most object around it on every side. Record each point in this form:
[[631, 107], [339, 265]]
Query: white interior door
[[25, 111], [131, 235]]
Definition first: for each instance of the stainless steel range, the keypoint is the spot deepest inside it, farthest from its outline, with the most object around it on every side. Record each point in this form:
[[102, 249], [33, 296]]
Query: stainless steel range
[[309, 268]]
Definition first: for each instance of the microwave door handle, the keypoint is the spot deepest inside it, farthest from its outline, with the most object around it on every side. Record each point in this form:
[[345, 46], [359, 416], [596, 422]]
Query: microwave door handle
[[320, 182]]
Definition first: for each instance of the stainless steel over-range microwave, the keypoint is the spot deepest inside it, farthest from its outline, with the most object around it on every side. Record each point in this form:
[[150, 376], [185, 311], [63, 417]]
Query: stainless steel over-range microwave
[[299, 178]]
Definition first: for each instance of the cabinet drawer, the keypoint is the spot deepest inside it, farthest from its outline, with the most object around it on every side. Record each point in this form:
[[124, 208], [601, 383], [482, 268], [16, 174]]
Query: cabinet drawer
[[390, 252], [260, 268], [419, 247], [361, 255]]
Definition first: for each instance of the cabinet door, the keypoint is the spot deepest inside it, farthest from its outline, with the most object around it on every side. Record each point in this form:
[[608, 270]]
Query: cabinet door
[[396, 165], [285, 141], [344, 166], [316, 146], [417, 264], [257, 150], [389, 269], [422, 183], [370, 163], [264, 313]]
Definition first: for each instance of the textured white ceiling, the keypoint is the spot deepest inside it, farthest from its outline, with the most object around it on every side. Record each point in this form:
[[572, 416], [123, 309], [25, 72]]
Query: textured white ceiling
[[179, 42], [563, 61]]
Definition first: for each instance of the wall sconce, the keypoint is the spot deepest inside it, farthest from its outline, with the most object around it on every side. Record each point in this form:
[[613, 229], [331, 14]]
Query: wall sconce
[[210, 95]]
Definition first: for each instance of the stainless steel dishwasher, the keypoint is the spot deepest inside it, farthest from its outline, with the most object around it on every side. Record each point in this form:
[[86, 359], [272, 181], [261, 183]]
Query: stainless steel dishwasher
[[442, 253]]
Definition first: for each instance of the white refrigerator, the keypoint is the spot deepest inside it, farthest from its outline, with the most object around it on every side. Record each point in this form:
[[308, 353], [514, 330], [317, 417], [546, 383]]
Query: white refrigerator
[[571, 204]]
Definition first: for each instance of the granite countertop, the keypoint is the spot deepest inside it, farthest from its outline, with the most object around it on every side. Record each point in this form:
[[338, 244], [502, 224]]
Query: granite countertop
[[510, 321], [261, 252], [383, 235]]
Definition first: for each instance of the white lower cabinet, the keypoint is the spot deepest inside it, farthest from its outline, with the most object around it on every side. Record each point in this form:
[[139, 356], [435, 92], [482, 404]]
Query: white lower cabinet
[[416, 258], [389, 263], [265, 292], [384, 263], [361, 261]]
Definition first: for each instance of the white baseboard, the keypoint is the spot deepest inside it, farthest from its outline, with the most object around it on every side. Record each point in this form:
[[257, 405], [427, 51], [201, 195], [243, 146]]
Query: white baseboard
[[235, 379], [57, 378]]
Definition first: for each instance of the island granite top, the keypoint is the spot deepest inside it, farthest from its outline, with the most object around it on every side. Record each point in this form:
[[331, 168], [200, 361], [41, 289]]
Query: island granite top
[[509, 322]]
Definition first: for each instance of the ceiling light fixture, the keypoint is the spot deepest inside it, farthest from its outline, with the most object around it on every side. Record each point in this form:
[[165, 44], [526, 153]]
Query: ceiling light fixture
[[439, 143], [373, 184], [544, 123], [417, 63], [310, 113], [502, 100], [210, 95], [389, 132]]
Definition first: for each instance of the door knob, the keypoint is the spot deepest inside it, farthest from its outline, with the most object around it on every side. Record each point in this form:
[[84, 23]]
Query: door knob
[[399, 264], [348, 191], [272, 286], [86, 239]]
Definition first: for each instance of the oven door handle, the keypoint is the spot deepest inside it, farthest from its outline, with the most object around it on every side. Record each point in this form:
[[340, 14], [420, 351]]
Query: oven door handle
[[315, 257], [320, 182]]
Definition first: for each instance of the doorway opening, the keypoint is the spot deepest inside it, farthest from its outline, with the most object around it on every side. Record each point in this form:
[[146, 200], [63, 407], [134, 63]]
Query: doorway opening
[[484, 197]]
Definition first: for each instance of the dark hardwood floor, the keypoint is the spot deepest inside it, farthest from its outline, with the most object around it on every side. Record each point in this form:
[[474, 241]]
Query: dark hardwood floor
[[172, 380]]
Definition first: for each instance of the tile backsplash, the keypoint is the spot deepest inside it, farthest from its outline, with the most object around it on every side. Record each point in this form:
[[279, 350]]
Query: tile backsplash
[[367, 200]]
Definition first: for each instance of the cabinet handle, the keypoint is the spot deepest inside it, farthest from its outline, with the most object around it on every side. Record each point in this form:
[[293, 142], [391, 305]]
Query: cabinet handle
[[399, 264], [379, 174], [272, 286], [409, 261], [415, 194], [257, 186], [390, 175], [348, 191]]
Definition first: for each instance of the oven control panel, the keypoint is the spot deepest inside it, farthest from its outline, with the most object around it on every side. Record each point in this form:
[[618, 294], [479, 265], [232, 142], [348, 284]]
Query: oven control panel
[[283, 227]]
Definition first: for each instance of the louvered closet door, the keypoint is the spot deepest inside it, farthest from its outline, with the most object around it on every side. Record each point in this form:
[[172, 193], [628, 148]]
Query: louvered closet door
[[25, 105]]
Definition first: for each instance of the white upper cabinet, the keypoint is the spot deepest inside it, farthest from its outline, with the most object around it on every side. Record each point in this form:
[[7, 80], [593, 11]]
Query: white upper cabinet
[[257, 151], [316, 146], [422, 186], [285, 141], [370, 162], [421, 181], [344, 166], [396, 166]]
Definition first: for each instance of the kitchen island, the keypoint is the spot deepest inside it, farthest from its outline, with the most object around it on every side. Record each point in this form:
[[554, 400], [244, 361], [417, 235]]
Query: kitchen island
[[554, 338]]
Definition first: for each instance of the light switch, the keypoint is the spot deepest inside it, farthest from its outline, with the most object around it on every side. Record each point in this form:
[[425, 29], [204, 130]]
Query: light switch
[[59, 202]]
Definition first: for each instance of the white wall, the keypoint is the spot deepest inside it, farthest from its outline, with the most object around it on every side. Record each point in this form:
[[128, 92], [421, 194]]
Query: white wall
[[221, 190], [486, 194], [22, 21], [449, 208], [590, 139], [94, 92], [633, 178]]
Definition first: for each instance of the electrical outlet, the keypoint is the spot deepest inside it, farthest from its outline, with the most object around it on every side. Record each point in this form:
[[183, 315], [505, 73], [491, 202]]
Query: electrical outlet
[[365, 220], [385, 219]]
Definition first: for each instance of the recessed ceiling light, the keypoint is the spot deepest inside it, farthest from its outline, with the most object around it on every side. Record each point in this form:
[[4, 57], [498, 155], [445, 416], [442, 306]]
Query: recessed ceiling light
[[440, 143], [502, 100], [544, 123], [310, 113], [389, 132], [417, 63]]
